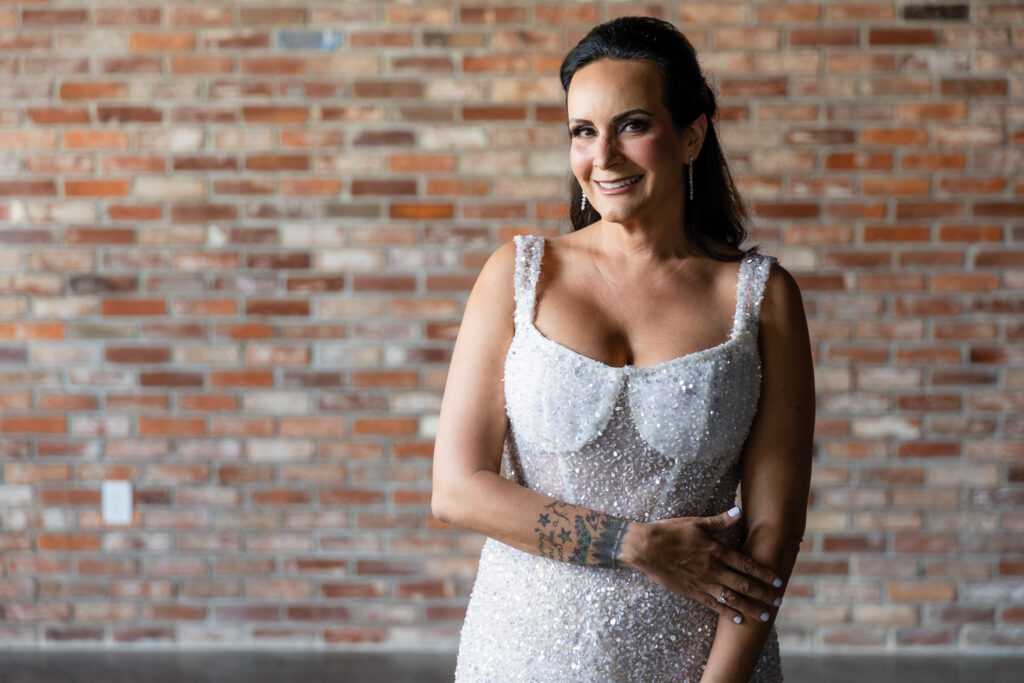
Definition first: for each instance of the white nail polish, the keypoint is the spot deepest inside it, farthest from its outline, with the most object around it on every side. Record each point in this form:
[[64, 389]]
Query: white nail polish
[[764, 616], [777, 583], [734, 512], [778, 602], [737, 620]]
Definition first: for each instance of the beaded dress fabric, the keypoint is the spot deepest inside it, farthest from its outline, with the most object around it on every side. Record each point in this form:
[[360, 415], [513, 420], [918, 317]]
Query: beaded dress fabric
[[639, 442]]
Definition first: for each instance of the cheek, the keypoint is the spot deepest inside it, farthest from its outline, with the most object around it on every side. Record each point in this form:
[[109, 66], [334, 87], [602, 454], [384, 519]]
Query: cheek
[[650, 151], [579, 159]]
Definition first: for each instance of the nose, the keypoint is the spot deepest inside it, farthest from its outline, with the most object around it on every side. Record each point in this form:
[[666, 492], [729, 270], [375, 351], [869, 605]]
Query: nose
[[606, 152]]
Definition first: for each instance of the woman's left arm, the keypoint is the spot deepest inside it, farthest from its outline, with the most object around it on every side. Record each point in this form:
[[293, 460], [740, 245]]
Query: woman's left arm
[[776, 467]]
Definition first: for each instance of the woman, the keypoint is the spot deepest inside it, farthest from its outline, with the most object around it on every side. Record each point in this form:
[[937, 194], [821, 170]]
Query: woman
[[594, 363]]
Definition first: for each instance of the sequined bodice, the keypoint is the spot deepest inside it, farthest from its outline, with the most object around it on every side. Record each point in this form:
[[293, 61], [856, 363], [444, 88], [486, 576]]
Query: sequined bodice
[[643, 443]]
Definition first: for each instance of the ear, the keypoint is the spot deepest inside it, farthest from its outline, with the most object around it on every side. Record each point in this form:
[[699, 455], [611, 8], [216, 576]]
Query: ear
[[694, 135]]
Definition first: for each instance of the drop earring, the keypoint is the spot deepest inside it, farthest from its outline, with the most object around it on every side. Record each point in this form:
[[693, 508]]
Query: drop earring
[[583, 201], [691, 178]]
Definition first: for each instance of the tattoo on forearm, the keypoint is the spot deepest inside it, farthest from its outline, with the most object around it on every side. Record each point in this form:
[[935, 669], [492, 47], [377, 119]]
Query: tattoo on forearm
[[590, 540]]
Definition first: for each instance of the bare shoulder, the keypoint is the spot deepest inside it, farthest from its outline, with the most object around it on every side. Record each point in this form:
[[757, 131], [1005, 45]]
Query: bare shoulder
[[501, 261], [496, 283], [783, 322], [782, 301]]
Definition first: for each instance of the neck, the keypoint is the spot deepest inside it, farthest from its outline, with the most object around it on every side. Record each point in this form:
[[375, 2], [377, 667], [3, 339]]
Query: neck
[[651, 240]]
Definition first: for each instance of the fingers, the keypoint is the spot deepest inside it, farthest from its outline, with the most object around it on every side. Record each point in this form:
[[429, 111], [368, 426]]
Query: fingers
[[720, 603], [751, 591], [723, 521], [734, 605], [744, 564]]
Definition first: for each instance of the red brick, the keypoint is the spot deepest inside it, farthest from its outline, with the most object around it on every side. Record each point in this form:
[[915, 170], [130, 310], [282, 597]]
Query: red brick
[[999, 209], [960, 282], [894, 136], [141, 354], [43, 115], [901, 36], [135, 213], [33, 425], [96, 188], [67, 402], [925, 544], [127, 114], [422, 211], [117, 16], [276, 307], [282, 16], [261, 66], [484, 14], [168, 426], [203, 212], [310, 187], [27, 187], [507, 64], [200, 16], [154, 42], [68, 542], [823, 36], [117, 307], [382, 426], [104, 139], [275, 114], [277, 162], [53, 17], [210, 402]]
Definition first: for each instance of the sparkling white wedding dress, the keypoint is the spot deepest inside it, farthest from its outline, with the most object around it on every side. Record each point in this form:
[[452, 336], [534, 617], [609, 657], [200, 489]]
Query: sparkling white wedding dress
[[641, 443]]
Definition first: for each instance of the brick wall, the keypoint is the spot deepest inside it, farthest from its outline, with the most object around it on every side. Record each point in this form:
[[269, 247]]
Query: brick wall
[[237, 237]]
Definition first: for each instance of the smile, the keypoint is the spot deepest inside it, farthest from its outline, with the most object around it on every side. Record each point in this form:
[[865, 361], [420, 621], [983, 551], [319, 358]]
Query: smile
[[618, 184]]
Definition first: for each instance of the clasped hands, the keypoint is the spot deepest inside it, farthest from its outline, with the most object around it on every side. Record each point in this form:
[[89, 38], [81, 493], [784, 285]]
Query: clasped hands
[[682, 555]]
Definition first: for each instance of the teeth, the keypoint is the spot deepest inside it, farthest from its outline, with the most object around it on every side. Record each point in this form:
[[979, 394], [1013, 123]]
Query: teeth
[[620, 183]]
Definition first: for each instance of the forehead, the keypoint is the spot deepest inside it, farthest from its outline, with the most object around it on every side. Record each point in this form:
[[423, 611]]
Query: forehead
[[613, 85]]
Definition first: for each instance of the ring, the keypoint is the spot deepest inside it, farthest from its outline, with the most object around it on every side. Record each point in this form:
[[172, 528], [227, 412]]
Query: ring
[[721, 598]]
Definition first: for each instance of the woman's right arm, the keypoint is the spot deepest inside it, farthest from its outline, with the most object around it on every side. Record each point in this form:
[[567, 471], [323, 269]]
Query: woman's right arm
[[468, 491]]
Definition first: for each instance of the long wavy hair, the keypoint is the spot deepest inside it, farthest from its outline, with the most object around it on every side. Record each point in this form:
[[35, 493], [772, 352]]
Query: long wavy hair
[[717, 215]]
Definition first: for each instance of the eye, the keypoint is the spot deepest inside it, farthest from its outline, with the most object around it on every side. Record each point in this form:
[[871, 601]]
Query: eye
[[581, 131], [635, 125]]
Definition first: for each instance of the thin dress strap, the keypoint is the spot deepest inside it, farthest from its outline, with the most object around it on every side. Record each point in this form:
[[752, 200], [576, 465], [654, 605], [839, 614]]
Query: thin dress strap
[[753, 275], [529, 251]]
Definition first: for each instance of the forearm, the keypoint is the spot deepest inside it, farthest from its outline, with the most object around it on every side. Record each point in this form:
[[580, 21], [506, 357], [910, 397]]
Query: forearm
[[535, 523], [737, 647]]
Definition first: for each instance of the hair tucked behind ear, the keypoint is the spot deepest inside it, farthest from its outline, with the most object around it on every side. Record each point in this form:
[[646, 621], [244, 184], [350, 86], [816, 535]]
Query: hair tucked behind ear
[[716, 216]]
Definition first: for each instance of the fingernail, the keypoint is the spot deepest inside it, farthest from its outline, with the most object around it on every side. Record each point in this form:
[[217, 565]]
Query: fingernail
[[737, 620], [778, 602], [735, 512], [777, 583], [764, 616]]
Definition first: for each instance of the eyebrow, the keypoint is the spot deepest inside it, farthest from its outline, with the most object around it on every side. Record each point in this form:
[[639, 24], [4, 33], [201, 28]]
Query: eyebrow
[[617, 117]]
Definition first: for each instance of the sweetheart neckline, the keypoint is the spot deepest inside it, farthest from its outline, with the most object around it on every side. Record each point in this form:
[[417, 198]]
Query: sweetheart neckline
[[638, 369], [734, 333]]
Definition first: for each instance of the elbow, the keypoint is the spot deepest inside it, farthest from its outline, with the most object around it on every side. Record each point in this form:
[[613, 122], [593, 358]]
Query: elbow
[[451, 500], [445, 503], [440, 507], [779, 542]]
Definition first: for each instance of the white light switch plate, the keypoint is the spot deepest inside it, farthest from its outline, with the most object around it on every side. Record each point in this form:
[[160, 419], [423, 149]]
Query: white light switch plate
[[117, 502]]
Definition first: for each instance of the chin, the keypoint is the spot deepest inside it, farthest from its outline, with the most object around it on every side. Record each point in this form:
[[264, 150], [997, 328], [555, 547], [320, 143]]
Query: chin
[[618, 214]]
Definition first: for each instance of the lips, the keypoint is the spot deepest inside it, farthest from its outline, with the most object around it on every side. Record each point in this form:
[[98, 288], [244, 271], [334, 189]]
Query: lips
[[611, 185]]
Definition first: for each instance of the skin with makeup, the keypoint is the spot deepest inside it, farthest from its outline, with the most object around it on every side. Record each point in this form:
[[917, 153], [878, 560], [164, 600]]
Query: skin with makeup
[[630, 289]]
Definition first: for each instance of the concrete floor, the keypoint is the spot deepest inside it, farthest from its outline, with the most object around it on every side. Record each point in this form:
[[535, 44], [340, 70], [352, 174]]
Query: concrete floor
[[40, 666]]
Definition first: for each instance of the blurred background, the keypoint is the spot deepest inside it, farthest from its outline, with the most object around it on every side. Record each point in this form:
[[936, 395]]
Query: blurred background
[[235, 243]]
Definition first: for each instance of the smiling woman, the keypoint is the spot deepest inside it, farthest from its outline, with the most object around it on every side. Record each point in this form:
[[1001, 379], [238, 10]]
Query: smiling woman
[[613, 387], [626, 153], [714, 215]]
